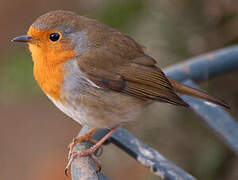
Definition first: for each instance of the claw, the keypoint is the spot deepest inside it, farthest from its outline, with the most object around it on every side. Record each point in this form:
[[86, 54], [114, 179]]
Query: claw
[[97, 162], [99, 151], [66, 171]]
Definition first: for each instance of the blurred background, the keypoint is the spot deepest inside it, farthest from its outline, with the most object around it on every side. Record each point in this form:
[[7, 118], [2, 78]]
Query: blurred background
[[34, 134]]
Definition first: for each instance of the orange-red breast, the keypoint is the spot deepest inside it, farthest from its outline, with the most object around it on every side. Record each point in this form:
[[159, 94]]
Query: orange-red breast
[[95, 74]]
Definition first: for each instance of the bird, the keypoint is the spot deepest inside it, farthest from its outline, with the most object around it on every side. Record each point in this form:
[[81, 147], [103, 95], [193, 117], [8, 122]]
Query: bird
[[97, 75]]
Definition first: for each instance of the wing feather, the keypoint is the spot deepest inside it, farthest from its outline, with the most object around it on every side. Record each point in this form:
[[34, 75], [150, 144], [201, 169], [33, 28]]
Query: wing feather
[[138, 78]]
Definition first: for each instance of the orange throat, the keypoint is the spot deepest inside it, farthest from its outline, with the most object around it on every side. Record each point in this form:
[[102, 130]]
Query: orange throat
[[50, 76], [49, 79]]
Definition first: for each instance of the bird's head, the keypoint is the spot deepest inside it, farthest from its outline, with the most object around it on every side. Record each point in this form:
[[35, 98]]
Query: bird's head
[[57, 36]]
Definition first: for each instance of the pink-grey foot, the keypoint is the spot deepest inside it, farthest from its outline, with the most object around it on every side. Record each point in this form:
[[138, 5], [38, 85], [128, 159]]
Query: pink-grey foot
[[90, 151]]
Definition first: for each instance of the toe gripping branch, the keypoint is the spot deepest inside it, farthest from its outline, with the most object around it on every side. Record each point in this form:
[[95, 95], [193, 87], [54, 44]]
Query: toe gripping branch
[[85, 167], [218, 120]]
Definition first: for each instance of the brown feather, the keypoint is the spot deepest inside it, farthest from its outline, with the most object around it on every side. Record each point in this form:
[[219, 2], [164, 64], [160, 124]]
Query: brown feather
[[137, 77], [189, 91]]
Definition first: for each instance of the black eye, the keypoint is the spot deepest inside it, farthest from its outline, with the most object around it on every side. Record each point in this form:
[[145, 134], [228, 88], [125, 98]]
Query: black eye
[[54, 36]]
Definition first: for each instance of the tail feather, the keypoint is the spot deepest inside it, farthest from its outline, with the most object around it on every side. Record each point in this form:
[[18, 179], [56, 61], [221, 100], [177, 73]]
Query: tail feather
[[189, 91]]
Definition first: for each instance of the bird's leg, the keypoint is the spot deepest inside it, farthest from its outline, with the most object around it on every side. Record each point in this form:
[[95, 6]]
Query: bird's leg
[[85, 137], [91, 150]]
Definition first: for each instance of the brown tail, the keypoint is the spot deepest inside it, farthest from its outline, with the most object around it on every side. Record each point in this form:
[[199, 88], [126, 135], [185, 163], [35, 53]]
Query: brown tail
[[189, 91]]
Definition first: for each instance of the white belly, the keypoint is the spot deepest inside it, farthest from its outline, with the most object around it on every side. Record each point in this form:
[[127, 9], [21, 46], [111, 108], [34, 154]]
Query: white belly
[[78, 114], [103, 115]]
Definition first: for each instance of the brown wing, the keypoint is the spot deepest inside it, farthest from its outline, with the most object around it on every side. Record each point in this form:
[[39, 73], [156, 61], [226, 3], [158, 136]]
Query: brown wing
[[137, 77], [117, 62]]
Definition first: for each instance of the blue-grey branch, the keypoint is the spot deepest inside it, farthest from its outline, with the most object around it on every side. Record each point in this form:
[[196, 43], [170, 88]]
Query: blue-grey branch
[[205, 66]]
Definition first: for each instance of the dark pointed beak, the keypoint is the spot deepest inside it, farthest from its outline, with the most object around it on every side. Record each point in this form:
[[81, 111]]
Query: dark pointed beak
[[24, 38]]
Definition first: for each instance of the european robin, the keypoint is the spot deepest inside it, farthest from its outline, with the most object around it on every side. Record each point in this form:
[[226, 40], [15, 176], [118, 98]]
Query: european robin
[[97, 75]]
